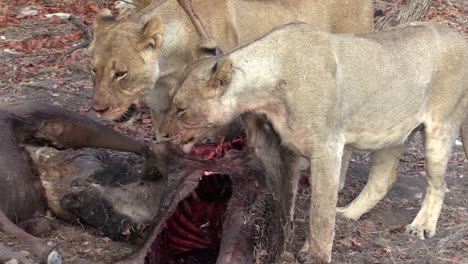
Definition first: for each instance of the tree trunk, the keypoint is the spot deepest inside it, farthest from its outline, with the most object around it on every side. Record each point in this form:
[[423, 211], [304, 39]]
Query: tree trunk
[[415, 10]]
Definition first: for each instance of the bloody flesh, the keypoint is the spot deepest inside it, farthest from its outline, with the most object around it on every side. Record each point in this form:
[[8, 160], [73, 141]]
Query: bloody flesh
[[192, 234]]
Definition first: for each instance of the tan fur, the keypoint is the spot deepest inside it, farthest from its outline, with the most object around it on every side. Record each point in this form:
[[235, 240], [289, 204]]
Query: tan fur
[[323, 93], [118, 83], [229, 22]]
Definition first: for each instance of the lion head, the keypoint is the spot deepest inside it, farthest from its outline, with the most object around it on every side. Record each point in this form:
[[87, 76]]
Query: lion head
[[123, 62], [198, 107]]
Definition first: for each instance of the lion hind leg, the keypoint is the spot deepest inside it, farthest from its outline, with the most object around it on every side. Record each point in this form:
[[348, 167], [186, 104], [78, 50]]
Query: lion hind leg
[[344, 168], [381, 178], [464, 135], [438, 145]]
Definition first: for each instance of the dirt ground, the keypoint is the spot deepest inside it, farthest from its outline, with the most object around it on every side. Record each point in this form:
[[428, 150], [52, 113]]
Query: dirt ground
[[378, 237], [38, 61]]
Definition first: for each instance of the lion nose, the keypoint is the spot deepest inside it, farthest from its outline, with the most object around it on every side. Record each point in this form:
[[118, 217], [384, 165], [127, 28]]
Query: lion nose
[[99, 108], [163, 131]]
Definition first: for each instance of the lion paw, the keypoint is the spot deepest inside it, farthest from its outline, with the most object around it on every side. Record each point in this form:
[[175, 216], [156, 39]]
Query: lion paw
[[422, 232], [304, 257], [347, 213]]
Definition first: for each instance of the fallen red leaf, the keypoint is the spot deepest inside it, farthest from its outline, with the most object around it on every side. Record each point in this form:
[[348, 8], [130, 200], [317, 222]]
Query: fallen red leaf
[[28, 44], [5, 10], [92, 6], [73, 55], [13, 20], [39, 44], [455, 258], [74, 36], [356, 241], [58, 81], [21, 78], [40, 9], [63, 40]]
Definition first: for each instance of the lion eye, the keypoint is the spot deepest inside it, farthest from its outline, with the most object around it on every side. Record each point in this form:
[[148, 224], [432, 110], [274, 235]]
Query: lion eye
[[120, 75], [180, 110], [94, 71]]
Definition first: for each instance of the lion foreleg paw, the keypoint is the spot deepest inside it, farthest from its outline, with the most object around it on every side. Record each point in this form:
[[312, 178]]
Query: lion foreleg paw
[[423, 232], [348, 213], [304, 257]]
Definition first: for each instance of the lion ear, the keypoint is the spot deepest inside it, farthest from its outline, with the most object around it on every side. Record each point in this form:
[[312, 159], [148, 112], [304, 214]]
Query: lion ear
[[103, 19], [152, 36], [222, 74], [207, 48]]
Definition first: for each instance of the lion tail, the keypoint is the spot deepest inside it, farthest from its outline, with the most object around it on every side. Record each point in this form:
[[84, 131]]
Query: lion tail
[[464, 135]]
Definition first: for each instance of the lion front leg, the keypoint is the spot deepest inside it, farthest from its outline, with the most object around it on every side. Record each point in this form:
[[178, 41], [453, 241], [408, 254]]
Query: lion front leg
[[324, 181], [157, 119], [158, 101]]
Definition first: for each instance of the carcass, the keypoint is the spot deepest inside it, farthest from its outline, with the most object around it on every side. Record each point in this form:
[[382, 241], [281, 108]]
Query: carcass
[[207, 207]]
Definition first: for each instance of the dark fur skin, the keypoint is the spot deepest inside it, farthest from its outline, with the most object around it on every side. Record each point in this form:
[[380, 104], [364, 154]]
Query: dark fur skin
[[182, 174], [280, 168], [20, 187], [22, 195], [248, 172], [179, 175], [106, 177]]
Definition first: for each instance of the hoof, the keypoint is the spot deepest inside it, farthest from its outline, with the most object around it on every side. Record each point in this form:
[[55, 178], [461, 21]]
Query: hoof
[[55, 256]]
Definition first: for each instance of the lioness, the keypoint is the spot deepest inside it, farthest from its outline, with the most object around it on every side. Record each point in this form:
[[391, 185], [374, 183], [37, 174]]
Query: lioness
[[324, 93], [129, 59]]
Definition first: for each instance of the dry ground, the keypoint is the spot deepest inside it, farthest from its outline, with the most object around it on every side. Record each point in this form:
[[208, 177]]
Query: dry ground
[[28, 73], [378, 237]]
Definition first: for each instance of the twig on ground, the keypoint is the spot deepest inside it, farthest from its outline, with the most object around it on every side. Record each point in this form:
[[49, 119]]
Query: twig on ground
[[73, 20], [86, 32], [385, 3], [47, 87], [415, 10], [127, 2]]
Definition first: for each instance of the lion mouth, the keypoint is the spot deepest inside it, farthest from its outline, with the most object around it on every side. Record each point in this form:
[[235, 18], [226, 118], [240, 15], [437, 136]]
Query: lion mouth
[[188, 141], [178, 139], [126, 115]]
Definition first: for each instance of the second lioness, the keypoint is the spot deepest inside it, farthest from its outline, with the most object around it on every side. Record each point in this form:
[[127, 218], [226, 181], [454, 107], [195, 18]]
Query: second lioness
[[325, 93]]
